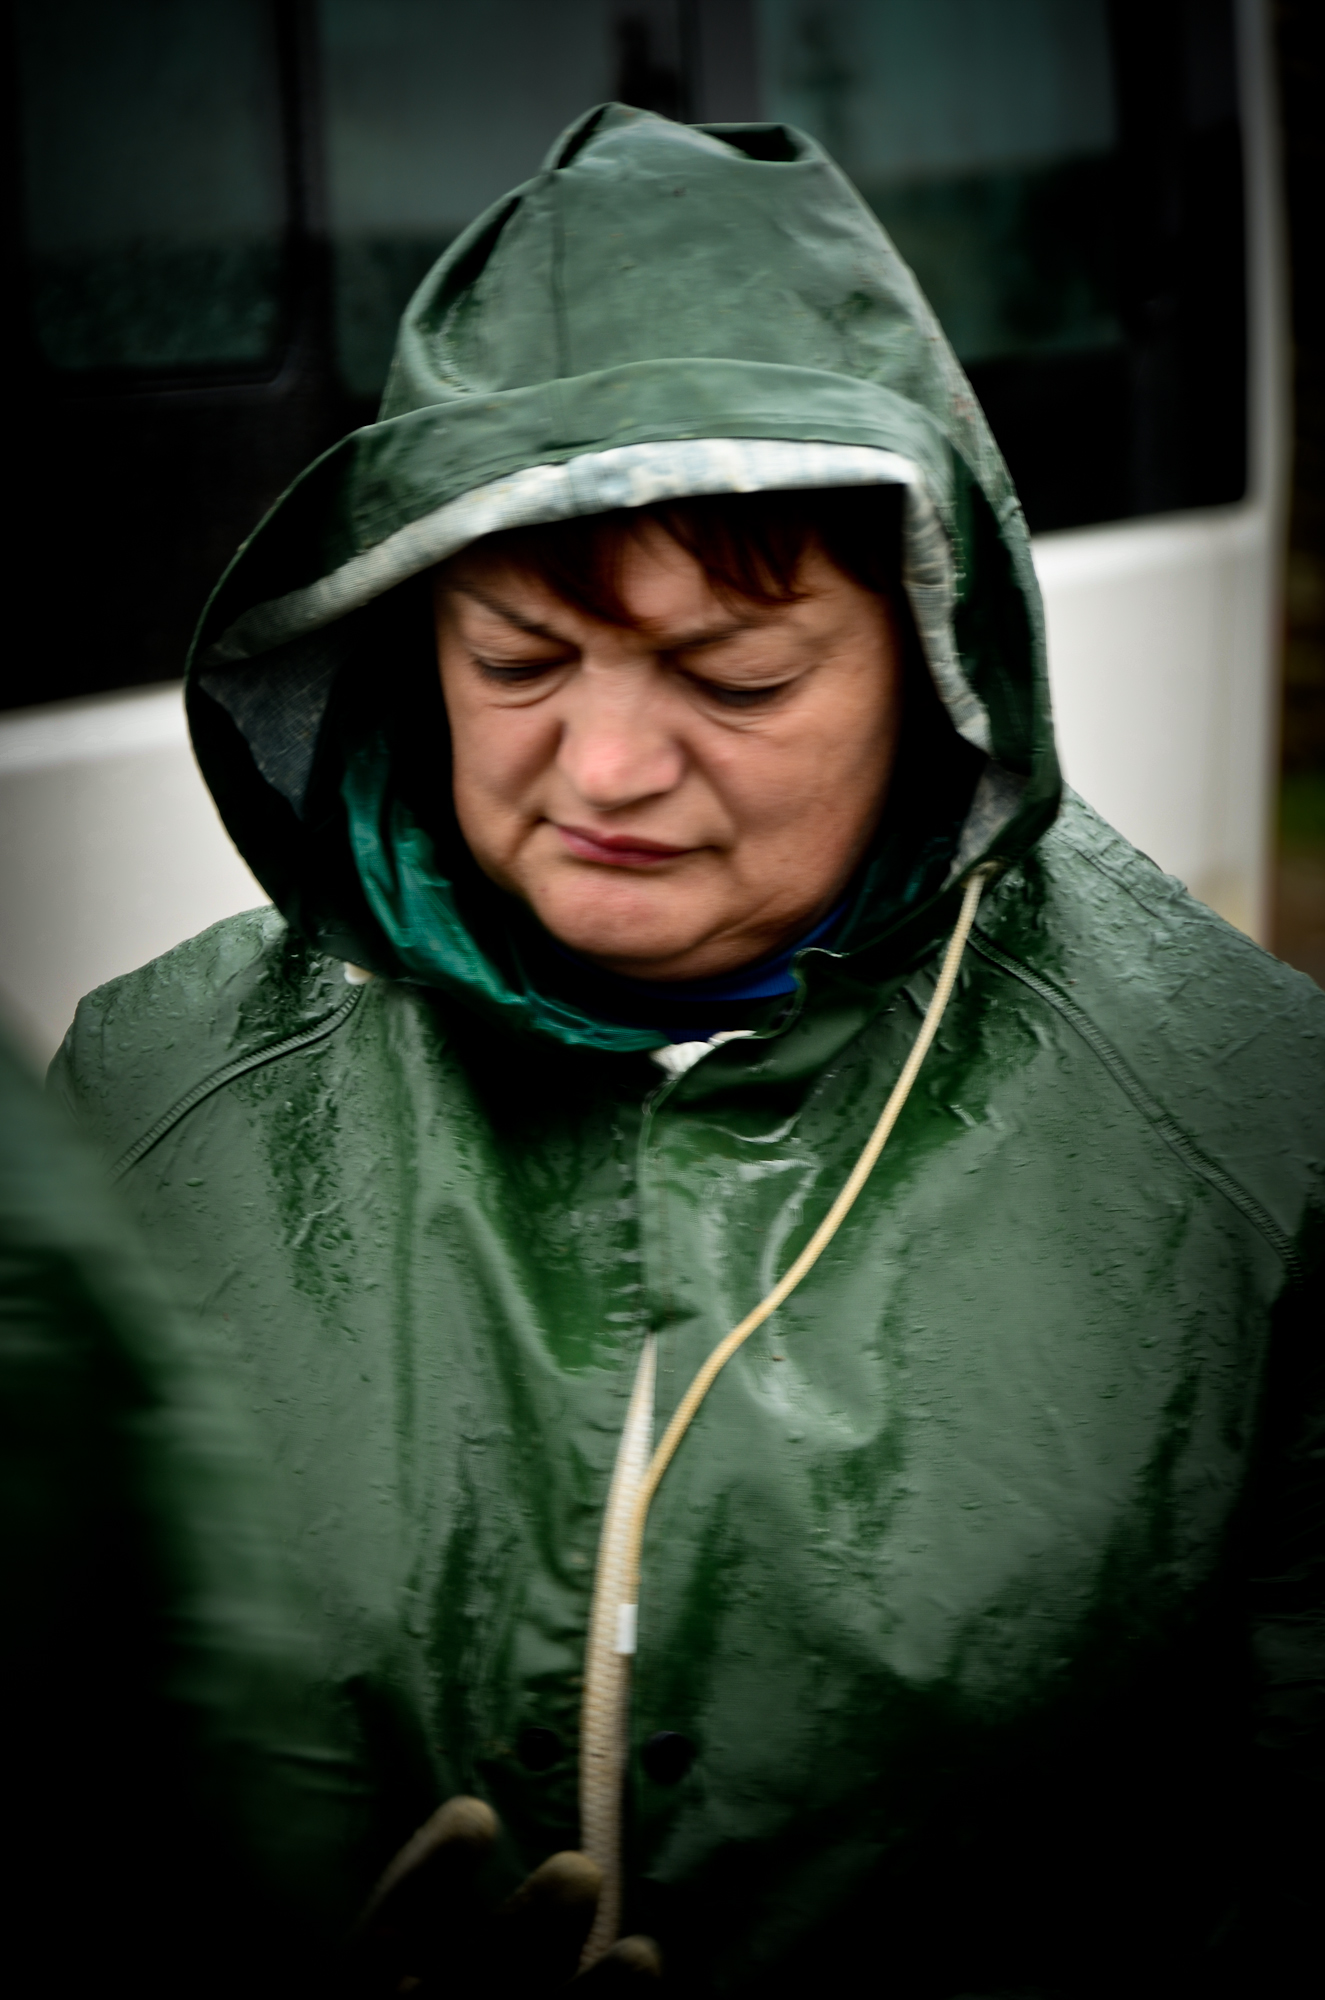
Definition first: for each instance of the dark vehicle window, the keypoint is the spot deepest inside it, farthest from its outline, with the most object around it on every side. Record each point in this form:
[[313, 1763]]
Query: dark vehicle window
[[1064, 176], [225, 205], [153, 181], [982, 136], [431, 113]]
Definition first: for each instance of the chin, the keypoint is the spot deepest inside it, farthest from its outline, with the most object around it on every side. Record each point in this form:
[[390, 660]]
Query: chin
[[626, 922]]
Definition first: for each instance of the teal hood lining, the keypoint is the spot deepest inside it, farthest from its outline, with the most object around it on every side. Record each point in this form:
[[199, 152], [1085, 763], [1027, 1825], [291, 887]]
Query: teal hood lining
[[415, 900]]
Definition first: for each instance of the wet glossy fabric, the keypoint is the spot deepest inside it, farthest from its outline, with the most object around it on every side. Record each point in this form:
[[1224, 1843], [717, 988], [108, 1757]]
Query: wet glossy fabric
[[155, 1689], [985, 1562], [973, 1492]]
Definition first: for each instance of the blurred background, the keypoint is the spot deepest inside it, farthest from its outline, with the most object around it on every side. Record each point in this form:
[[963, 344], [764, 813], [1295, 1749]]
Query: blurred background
[[218, 209]]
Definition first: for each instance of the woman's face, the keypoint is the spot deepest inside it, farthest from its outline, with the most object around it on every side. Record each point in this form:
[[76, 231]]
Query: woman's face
[[683, 795]]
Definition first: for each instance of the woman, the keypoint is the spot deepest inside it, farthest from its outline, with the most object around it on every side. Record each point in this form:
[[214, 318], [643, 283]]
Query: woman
[[640, 731]]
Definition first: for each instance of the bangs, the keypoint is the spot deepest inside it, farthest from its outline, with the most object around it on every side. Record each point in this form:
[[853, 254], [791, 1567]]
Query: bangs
[[750, 546]]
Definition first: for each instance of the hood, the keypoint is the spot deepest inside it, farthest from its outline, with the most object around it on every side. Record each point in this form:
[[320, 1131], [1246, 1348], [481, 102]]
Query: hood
[[664, 311]]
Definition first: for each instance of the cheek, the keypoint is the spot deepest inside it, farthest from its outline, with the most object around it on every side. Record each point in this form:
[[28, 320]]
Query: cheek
[[853, 746], [816, 779], [498, 759]]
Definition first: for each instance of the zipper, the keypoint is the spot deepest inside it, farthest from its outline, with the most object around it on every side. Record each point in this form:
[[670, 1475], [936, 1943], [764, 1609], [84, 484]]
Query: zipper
[[191, 1099]]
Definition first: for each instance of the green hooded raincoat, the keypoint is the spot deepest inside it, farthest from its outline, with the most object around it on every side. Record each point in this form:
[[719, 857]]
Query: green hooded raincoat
[[977, 1566]]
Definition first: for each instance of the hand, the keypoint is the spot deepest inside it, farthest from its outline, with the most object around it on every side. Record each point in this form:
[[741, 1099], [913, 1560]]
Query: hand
[[425, 1931]]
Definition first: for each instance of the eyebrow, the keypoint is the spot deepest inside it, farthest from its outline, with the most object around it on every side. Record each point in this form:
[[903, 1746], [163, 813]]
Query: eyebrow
[[511, 616], [687, 642]]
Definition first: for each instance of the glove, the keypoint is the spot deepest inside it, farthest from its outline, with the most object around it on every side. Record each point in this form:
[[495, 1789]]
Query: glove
[[426, 1931]]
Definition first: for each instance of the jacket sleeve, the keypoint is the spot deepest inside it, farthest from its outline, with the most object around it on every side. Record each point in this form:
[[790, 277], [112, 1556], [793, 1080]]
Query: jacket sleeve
[[171, 1779]]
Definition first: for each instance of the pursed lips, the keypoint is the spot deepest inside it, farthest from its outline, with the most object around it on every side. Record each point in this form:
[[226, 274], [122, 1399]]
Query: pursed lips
[[617, 850]]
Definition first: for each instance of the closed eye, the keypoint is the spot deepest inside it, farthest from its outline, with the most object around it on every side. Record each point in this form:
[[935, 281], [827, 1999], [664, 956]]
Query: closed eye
[[514, 673], [738, 697]]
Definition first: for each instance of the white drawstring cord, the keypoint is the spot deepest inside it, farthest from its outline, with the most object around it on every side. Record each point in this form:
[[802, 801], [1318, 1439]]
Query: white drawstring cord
[[605, 1715]]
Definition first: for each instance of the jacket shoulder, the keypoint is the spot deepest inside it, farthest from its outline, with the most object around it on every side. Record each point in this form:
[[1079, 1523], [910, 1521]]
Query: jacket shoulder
[[1225, 1040], [141, 1042]]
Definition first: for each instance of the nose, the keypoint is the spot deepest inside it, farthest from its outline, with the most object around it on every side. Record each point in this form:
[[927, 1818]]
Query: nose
[[616, 747]]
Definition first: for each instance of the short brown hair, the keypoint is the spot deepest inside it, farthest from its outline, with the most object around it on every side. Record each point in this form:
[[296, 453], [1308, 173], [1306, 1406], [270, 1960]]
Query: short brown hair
[[749, 545]]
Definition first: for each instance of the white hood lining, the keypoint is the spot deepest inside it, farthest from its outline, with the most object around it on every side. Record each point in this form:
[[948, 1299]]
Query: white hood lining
[[640, 475]]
